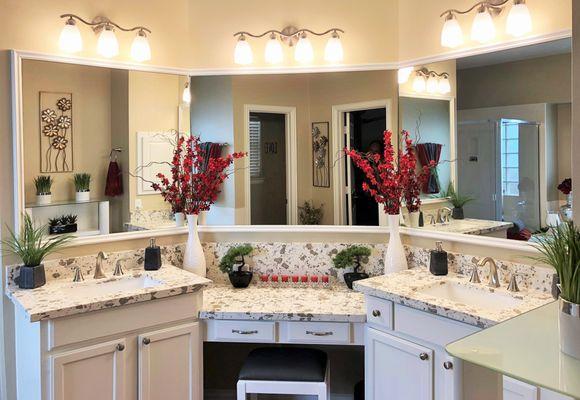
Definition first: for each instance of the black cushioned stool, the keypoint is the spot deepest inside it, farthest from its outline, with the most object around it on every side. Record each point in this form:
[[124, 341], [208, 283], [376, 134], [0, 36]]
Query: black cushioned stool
[[284, 370]]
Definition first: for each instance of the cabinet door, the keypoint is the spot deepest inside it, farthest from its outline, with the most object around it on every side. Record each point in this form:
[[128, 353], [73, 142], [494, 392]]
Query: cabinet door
[[396, 368], [449, 369], [516, 390], [89, 373], [170, 364]]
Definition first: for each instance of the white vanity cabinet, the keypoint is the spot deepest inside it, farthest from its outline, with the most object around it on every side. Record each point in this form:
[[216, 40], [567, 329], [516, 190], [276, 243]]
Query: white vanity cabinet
[[148, 351]]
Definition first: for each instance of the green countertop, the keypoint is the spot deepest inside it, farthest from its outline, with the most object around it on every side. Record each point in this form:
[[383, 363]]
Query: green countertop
[[526, 348]]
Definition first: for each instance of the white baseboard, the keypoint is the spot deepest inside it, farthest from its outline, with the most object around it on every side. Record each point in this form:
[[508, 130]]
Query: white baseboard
[[218, 394]]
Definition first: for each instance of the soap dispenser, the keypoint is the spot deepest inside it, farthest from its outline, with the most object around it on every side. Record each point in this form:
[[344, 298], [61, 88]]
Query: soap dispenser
[[152, 256], [438, 264]]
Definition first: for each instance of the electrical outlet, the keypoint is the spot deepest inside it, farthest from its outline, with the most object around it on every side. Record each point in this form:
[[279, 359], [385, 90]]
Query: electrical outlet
[[138, 204]]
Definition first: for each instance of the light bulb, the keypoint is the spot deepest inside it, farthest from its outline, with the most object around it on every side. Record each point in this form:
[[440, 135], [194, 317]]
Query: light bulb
[[432, 84], [303, 52], [483, 28], [186, 96], [243, 52], [107, 44], [140, 50], [444, 86], [70, 37], [273, 53], [519, 21], [403, 74], [451, 34], [419, 83], [333, 51]]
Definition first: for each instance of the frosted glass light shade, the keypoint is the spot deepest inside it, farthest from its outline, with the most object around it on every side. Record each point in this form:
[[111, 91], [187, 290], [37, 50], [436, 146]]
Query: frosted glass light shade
[[519, 21], [303, 52], [451, 34], [444, 86], [403, 74], [186, 96], [333, 51], [70, 38], [243, 52], [432, 84], [107, 44], [419, 84], [273, 53], [140, 50], [483, 28]]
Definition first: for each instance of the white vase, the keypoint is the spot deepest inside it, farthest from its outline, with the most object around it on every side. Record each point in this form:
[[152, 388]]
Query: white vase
[[193, 257], [43, 198], [414, 219], [395, 259], [82, 196], [569, 325], [179, 219]]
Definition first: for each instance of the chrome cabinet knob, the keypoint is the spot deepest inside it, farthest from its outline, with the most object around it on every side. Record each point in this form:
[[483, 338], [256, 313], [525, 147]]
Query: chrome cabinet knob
[[146, 341], [448, 365], [376, 313], [120, 347], [424, 356]]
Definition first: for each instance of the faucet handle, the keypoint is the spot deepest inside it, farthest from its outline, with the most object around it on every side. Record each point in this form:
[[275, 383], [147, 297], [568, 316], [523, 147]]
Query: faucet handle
[[513, 285], [78, 277], [118, 268], [474, 278]]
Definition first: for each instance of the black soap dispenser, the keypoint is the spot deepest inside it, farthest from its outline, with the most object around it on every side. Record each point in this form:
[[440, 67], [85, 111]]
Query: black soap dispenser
[[152, 256], [438, 264]]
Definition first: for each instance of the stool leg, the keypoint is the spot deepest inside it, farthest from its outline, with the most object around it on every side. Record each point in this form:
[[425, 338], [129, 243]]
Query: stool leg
[[241, 390]]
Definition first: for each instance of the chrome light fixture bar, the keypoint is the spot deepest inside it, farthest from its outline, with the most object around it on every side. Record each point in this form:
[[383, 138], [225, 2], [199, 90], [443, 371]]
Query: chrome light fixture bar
[[107, 44], [518, 22], [293, 37], [426, 80]]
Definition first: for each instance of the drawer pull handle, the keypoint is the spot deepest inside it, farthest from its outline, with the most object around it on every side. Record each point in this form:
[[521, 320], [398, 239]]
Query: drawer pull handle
[[146, 341], [424, 356], [376, 313], [239, 332], [313, 333], [448, 365], [120, 347]]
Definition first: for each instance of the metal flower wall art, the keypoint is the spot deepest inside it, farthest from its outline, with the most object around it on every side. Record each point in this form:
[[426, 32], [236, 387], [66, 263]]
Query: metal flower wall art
[[56, 131], [320, 155]]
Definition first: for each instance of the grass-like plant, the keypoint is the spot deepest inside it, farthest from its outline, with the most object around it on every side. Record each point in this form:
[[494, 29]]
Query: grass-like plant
[[82, 182], [234, 258], [458, 200], [32, 244], [560, 248], [43, 184], [352, 256], [309, 214]]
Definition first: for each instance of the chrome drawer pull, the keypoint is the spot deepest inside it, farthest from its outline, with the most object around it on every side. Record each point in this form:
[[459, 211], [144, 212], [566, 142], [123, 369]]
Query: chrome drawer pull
[[376, 313], [424, 356], [239, 332], [330, 333], [448, 365]]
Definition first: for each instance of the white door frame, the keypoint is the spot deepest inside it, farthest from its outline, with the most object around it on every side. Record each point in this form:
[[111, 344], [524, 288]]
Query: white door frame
[[338, 182], [291, 160]]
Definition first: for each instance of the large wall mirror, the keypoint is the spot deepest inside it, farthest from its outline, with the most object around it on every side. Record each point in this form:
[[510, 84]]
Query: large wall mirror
[[500, 135]]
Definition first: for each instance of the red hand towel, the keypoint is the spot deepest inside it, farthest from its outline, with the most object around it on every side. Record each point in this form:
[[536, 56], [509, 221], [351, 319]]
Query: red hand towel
[[114, 185]]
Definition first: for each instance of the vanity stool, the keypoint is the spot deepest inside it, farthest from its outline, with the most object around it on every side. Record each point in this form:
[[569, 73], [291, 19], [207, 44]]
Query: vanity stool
[[284, 370]]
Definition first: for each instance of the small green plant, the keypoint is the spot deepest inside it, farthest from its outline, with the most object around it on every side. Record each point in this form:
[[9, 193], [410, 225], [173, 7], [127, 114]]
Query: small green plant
[[352, 256], [458, 200], [32, 244], [82, 182], [234, 258], [63, 220], [560, 248], [309, 214], [43, 184]]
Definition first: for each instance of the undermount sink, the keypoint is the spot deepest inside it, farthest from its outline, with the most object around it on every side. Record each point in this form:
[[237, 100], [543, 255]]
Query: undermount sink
[[109, 286], [471, 295]]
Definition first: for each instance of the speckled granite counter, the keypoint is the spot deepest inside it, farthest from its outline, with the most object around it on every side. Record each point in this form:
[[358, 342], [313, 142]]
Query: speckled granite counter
[[288, 304], [406, 288], [60, 297], [470, 226]]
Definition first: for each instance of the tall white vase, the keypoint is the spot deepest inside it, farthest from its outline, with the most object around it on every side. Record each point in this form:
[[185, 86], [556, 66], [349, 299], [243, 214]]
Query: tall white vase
[[193, 257], [395, 259]]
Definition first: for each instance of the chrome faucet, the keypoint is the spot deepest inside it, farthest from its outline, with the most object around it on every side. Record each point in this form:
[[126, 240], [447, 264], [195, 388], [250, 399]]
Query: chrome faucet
[[99, 266], [493, 278], [444, 214], [432, 220]]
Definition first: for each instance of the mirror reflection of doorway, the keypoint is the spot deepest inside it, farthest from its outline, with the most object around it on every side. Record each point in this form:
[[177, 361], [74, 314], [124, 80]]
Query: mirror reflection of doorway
[[267, 155]]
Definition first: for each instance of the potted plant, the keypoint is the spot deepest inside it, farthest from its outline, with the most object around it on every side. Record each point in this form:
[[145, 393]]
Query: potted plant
[[82, 187], [233, 262], [309, 214], [62, 224], [560, 248], [43, 184], [457, 200], [32, 246], [352, 256]]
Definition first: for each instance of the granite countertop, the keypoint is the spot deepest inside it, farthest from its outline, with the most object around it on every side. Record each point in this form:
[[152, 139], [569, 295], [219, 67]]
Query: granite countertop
[[60, 297], [283, 304], [404, 288], [470, 226]]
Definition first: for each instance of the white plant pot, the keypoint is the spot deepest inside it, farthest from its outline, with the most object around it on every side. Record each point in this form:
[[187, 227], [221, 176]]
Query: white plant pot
[[569, 325], [43, 198], [82, 196], [179, 219], [193, 257], [414, 219], [395, 259]]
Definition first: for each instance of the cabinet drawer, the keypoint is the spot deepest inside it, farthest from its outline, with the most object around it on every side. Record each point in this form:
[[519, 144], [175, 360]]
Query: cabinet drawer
[[379, 312], [242, 331], [317, 332]]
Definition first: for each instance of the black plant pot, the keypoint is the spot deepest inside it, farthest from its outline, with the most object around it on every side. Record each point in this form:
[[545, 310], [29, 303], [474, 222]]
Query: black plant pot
[[31, 277], [457, 213], [58, 229], [350, 277], [240, 279]]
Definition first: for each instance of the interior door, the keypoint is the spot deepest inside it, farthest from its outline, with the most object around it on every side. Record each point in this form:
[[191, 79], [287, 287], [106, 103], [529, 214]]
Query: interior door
[[349, 209]]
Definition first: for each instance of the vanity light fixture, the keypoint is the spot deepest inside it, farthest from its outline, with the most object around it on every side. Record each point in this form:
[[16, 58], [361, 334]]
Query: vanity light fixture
[[431, 81], [186, 95], [70, 39], [518, 22], [403, 74], [297, 38]]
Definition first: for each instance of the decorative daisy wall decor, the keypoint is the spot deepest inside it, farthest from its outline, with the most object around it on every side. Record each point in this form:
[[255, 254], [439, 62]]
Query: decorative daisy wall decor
[[56, 131]]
